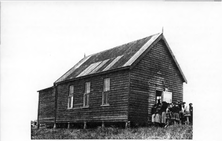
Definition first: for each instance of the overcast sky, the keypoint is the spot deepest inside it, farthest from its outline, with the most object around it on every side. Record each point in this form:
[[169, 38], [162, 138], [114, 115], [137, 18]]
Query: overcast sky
[[42, 40]]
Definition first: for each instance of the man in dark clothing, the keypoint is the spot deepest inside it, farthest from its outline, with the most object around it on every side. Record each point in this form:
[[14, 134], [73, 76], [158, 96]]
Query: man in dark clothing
[[182, 108], [177, 111], [191, 113], [168, 115], [153, 110], [157, 118], [163, 113]]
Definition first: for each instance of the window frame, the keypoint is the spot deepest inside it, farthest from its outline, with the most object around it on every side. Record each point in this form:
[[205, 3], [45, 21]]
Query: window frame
[[70, 97], [86, 94], [106, 91]]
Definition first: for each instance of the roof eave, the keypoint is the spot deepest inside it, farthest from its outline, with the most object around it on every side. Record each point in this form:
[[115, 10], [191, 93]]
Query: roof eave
[[45, 89], [174, 58]]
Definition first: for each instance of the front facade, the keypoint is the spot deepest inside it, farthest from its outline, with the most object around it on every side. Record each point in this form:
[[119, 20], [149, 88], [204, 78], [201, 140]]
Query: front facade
[[117, 85]]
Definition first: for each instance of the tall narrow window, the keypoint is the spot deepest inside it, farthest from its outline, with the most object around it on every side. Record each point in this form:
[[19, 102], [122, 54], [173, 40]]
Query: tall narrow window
[[106, 89], [86, 95], [70, 97]]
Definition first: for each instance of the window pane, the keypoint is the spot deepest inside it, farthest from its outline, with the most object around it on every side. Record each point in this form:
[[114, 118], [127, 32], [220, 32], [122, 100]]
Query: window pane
[[87, 87], [70, 101], [105, 98], [106, 84], [71, 90], [86, 100]]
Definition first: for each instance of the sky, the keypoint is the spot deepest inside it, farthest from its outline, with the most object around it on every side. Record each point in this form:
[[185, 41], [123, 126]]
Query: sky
[[40, 41]]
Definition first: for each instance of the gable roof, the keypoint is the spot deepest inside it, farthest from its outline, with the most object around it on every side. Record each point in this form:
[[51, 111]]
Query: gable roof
[[123, 56]]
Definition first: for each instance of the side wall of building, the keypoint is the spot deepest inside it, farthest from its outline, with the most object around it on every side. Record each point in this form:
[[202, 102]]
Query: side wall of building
[[117, 99], [155, 71], [46, 108]]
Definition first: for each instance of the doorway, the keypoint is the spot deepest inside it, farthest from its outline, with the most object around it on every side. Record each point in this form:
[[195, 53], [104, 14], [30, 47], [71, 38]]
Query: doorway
[[158, 96], [163, 96]]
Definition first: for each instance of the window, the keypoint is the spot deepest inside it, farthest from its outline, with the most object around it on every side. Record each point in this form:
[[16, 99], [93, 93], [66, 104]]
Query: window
[[106, 89], [70, 97], [86, 95]]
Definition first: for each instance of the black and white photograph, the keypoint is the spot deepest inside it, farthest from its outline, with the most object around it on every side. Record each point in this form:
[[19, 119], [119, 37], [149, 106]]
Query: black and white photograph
[[110, 70]]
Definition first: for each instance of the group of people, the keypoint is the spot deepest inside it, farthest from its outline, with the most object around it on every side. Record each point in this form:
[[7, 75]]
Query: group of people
[[165, 114]]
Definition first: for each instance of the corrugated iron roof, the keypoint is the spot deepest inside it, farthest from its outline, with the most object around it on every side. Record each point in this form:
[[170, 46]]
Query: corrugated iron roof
[[118, 57]]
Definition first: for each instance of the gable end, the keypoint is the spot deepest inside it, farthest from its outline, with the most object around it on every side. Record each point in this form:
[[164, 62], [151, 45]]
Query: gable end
[[161, 37]]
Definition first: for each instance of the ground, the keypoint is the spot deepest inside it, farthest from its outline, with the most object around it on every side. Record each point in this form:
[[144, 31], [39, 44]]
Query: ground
[[171, 132]]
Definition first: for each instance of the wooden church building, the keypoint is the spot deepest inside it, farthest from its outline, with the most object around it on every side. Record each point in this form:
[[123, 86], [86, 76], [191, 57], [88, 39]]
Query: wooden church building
[[116, 85]]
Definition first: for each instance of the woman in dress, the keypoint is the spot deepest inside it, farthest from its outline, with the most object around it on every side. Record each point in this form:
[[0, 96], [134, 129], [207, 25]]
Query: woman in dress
[[153, 113], [168, 115], [158, 113], [163, 113]]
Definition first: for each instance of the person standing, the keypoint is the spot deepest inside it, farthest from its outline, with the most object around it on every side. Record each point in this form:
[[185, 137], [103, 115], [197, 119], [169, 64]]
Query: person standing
[[168, 115], [176, 113], [163, 113], [191, 113], [173, 111], [187, 115], [153, 113], [158, 113], [182, 110]]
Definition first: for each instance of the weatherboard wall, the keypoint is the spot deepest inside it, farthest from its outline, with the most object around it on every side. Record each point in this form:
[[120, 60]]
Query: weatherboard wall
[[155, 71], [46, 108], [118, 99]]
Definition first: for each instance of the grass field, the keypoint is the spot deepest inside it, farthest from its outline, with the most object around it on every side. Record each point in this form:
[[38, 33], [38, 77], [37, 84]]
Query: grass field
[[171, 132]]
